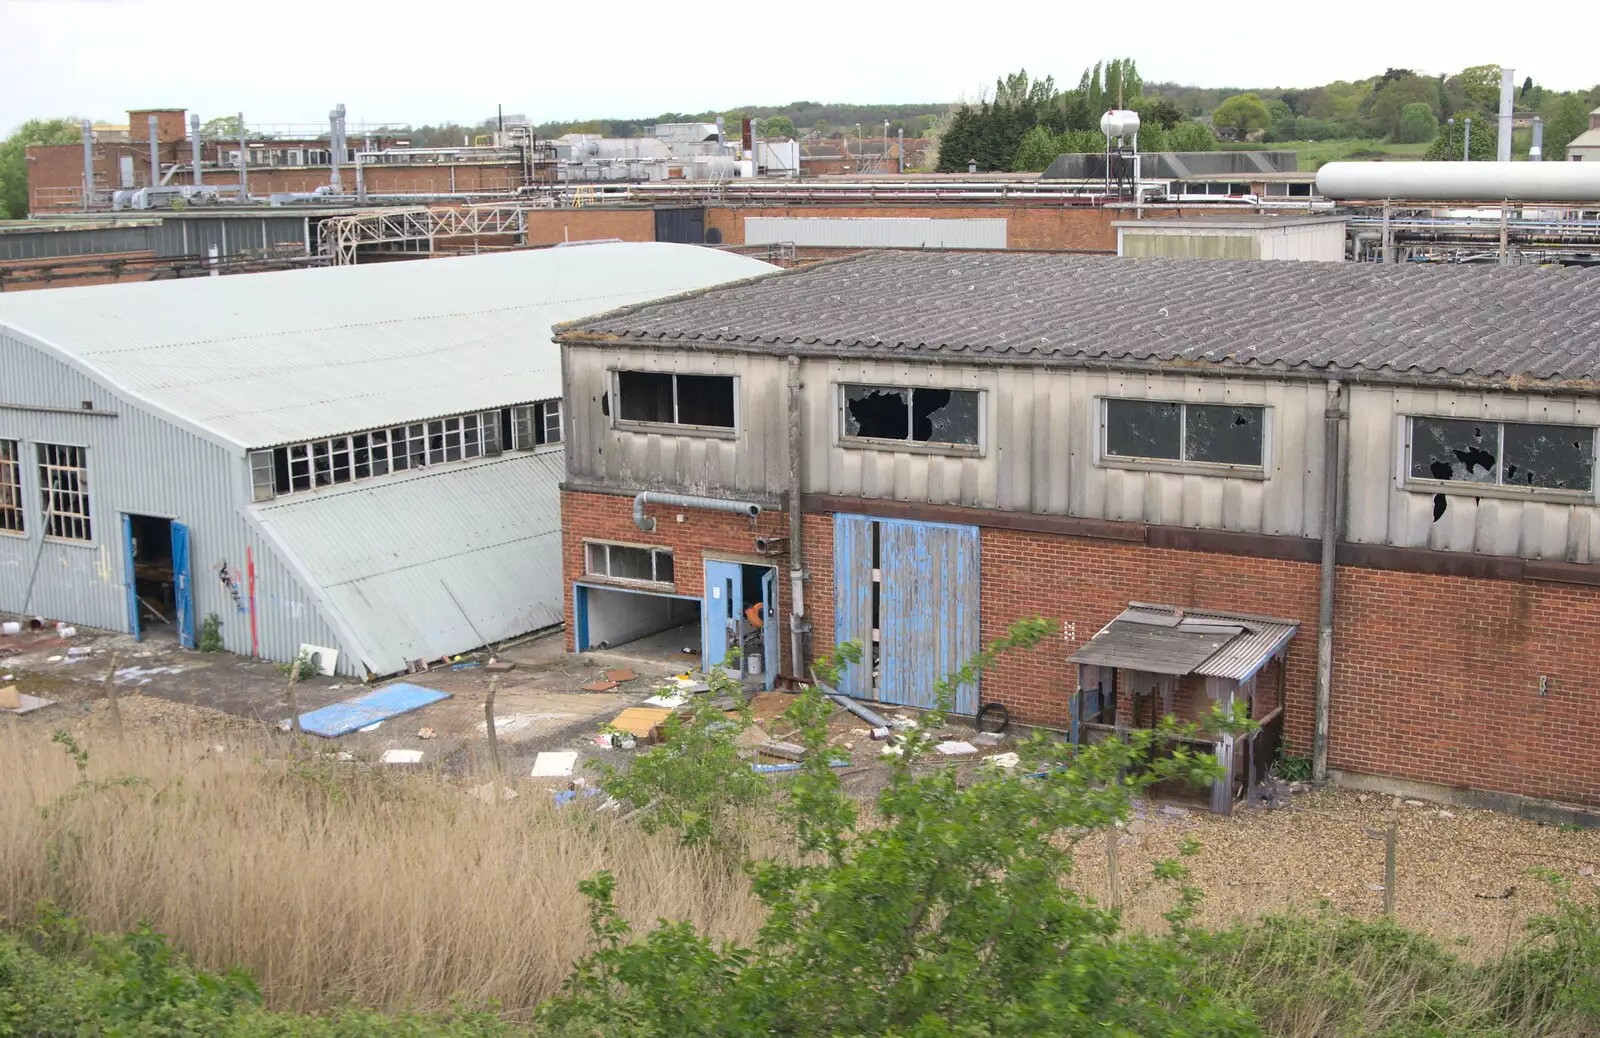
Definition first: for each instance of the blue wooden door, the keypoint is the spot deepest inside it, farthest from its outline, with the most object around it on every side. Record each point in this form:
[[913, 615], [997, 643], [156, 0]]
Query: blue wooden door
[[927, 610], [853, 594], [769, 625], [724, 608], [127, 576], [182, 589]]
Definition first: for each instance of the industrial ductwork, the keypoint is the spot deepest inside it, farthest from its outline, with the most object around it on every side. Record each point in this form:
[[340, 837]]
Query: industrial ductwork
[[711, 504]]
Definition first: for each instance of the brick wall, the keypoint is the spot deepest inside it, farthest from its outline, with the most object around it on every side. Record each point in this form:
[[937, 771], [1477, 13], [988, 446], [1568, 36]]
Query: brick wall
[[1436, 677], [606, 517]]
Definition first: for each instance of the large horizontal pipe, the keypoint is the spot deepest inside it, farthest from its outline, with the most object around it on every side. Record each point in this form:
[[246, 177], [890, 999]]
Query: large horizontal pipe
[[1461, 181], [713, 504]]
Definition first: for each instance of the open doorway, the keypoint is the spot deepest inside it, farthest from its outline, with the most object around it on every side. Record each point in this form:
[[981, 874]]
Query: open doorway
[[653, 626], [741, 608], [157, 577]]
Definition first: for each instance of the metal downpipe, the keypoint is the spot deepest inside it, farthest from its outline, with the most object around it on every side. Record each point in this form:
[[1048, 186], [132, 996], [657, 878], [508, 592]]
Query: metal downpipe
[[797, 571], [748, 509], [1331, 466]]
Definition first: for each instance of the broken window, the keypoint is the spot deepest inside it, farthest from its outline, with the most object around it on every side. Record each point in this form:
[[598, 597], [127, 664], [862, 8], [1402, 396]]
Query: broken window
[[923, 415], [298, 467], [628, 562], [1508, 454], [705, 401], [11, 486], [536, 425], [1206, 434], [64, 491]]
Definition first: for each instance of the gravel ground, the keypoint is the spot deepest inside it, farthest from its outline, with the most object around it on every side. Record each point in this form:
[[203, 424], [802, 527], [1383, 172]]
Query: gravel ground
[[1463, 874]]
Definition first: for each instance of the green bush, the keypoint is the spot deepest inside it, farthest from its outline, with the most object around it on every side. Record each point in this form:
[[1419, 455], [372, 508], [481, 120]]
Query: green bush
[[210, 639]]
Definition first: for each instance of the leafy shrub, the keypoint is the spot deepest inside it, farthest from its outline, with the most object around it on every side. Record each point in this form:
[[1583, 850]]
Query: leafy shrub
[[1291, 767], [210, 639], [303, 663]]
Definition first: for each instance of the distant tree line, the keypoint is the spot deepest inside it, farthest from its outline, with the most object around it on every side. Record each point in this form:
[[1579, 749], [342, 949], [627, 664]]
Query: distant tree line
[[1028, 122], [1401, 105]]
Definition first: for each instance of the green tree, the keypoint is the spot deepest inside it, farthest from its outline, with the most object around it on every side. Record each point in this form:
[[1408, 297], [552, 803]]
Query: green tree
[[777, 126], [822, 126], [1481, 86], [1417, 124], [1393, 96], [1191, 137], [1243, 114], [948, 915], [1565, 117], [1447, 145], [14, 154], [1036, 152], [225, 127]]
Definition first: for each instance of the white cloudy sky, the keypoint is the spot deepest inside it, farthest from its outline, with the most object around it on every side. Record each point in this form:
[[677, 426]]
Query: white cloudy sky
[[422, 62]]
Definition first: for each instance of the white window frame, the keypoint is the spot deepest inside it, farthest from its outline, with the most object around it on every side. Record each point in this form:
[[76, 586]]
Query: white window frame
[[84, 513], [678, 429], [908, 446], [14, 510], [655, 550], [1178, 465], [1465, 488], [536, 426]]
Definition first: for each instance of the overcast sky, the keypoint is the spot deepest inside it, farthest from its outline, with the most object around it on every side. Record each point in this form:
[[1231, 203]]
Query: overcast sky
[[289, 61]]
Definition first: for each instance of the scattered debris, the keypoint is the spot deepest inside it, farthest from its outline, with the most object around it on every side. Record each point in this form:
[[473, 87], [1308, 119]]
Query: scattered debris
[[639, 720], [10, 627], [374, 726], [500, 665], [1005, 760], [987, 739], [509, 724], [63, 631], [880, 734], [725, 703], [1415, 803], [465, 666], [855, 708], [667, 701], [600, 686], [401, 757], [1446, 814], [902, 723], [1362, 798], [378, 705], [1377, 887], [426, 733], [10, 699], [27, 704], [752, 738], [485, 793], [783, 750], [321, 657], [1509, 893], [1585, 870], [555, 764], [622, 674], [1174, 810], [139, 675], [956, 748]]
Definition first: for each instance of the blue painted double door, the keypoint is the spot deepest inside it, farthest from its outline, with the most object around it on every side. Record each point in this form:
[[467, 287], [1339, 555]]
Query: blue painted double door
[[908, 594]]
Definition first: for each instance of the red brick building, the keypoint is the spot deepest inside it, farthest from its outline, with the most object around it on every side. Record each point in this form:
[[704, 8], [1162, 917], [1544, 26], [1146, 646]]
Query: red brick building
[[954, 442]]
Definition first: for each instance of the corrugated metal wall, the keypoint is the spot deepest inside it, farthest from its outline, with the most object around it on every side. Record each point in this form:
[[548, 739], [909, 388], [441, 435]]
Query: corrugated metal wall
[[1380, 511], [46, 244], [1039, 435], [754, 462], [1190, 246], [140, 464], [875, 232]]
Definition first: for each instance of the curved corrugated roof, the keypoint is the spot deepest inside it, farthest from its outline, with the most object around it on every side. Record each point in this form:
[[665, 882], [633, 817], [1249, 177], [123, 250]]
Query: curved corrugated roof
[[253, 360]]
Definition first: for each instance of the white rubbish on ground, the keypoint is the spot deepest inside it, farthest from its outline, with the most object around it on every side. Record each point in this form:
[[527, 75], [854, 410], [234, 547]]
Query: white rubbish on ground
[[374, 726], [554, 764], [512, 723], [140, 675], [485, 793], [955, 747], [667, 702], [1005, 760], [401, 756]]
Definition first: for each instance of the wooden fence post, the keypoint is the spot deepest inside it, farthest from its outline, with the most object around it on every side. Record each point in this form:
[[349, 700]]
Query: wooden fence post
[[1390, 838], [1111, 867], [294, 702], [494, 738], [111, 698]]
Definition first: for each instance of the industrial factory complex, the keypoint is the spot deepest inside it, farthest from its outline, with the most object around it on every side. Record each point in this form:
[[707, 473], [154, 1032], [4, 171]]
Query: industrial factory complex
[[1320, 444]]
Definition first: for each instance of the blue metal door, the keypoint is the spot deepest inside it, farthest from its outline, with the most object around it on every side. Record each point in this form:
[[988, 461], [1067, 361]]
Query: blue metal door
[[927, 610], [182, 590], [127, 576], [724, 608], [853, 595], [769, 625]]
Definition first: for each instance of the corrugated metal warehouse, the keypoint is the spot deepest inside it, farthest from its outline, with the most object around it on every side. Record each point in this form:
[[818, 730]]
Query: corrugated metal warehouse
[[362, 459]]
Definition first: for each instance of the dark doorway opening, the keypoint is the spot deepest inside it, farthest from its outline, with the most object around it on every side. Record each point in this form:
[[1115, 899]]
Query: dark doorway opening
[[155, 581]]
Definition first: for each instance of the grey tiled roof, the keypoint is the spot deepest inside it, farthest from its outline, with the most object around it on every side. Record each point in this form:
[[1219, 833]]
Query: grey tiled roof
[[1350, 320]]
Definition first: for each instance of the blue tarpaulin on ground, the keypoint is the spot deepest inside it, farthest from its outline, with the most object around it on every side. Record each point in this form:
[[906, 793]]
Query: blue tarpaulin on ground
[[378, 705]]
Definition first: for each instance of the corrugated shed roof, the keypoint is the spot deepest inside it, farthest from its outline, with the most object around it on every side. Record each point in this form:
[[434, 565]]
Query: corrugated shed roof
[[1165, 640], [431, 563], [255, 360], [1444, 323]]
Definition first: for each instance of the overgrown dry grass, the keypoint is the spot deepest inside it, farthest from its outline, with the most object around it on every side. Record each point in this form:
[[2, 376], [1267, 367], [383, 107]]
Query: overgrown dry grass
[[332, 882]]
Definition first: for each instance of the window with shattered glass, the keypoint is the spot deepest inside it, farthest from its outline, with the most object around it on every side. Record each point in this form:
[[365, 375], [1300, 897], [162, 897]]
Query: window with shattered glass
[[1507, 454], [924, 415], [1208, 434]]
